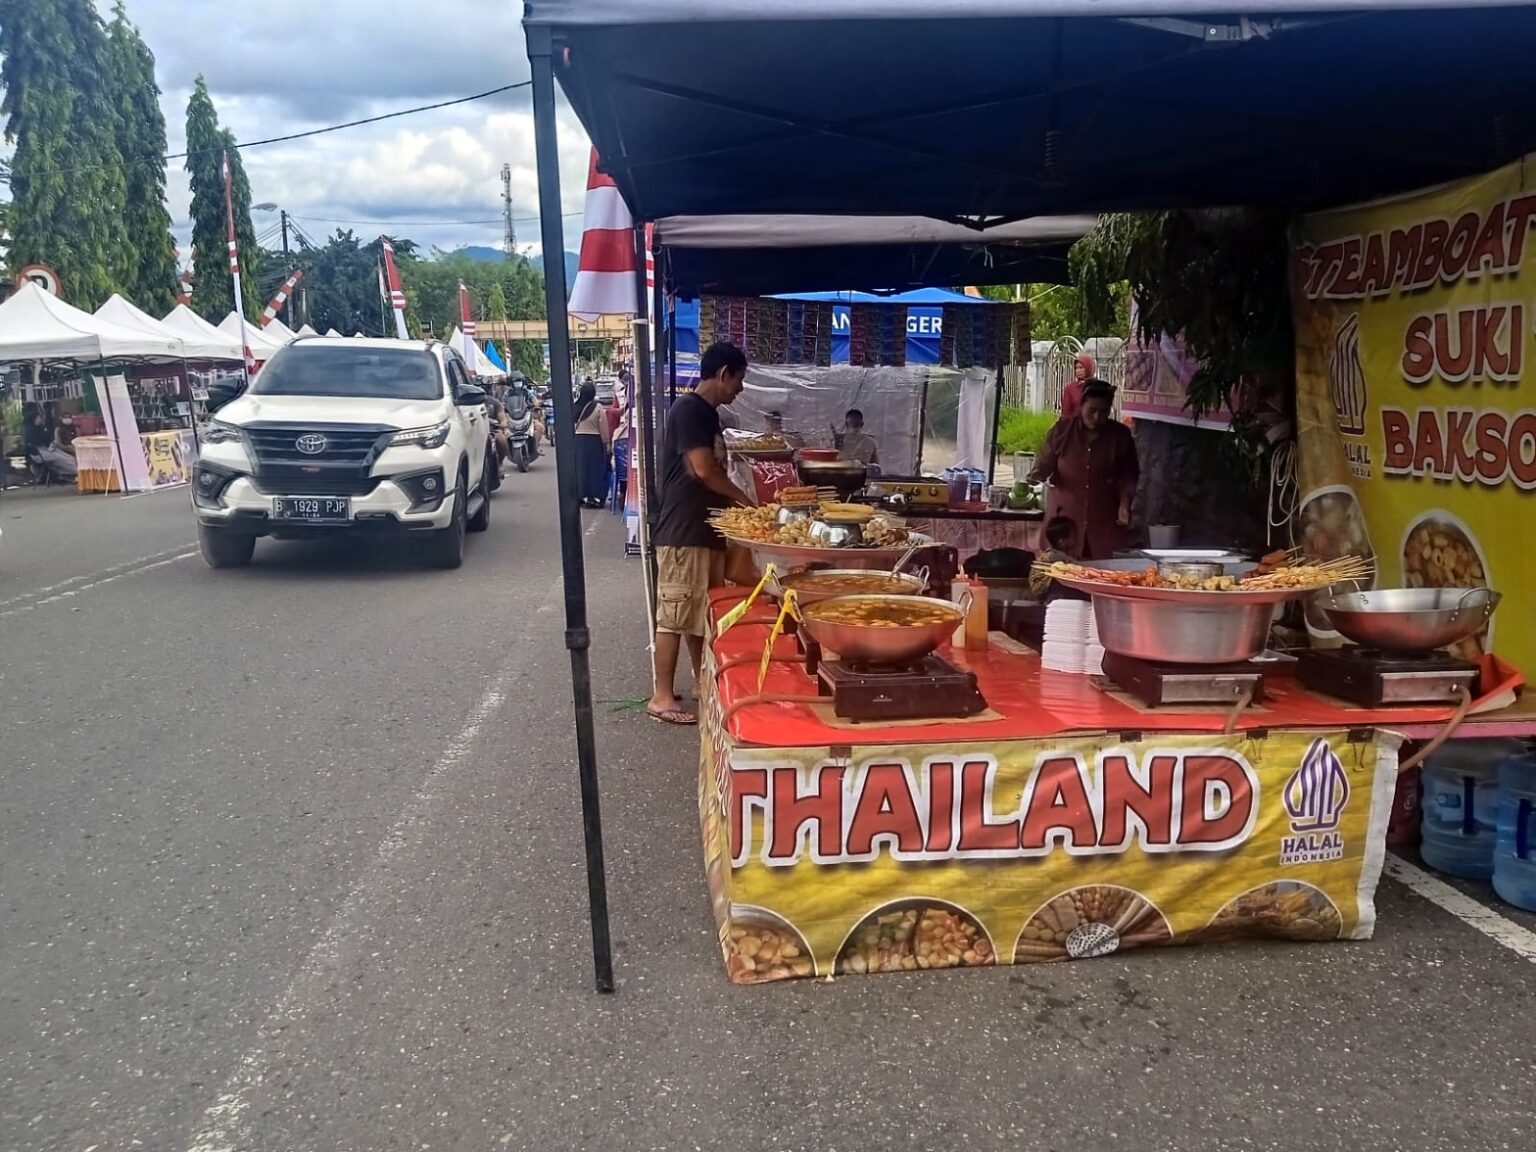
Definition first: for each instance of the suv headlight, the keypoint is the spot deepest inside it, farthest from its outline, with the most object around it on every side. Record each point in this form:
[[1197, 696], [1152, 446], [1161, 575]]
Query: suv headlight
[[218, 432], [433, 437]]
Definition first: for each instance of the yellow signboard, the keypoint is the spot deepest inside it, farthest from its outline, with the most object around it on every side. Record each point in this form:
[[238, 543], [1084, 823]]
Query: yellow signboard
[[1415, 322], [897, 858]]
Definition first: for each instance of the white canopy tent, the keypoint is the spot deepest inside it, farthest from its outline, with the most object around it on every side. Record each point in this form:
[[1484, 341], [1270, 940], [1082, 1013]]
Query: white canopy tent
[[261, 347], [306, 330], [277, 332], [202, 340], [482, 365], [127, 315], [332, 334], [37, 326]]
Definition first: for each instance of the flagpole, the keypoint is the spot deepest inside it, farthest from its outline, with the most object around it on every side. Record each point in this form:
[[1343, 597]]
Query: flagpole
[[234, 267]]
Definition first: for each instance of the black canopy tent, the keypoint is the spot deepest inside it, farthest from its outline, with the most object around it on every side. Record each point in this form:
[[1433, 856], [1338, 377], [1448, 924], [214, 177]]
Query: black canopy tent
[[704, 107]]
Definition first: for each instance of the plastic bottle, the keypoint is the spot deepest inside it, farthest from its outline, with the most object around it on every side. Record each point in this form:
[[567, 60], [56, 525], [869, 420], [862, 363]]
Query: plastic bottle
[[1460, 799], [1514, 854], [976, 617]]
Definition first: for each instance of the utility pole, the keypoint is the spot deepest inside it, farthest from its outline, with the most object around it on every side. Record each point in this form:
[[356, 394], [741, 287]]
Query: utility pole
[[510, 239], [282, 216]]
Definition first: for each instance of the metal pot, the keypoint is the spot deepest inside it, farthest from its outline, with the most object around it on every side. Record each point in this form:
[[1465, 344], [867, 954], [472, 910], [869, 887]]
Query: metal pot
[[847, 476], [837, 534], [892, 644], [1409, 619], [1209, 632], [1193, 569]]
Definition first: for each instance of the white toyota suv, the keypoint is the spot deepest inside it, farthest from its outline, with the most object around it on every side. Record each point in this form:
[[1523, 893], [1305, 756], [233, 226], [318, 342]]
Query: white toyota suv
[[347, 436]]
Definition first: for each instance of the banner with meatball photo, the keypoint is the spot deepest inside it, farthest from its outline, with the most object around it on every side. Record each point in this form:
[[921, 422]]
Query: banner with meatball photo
[[888, 859], [1415, 321]]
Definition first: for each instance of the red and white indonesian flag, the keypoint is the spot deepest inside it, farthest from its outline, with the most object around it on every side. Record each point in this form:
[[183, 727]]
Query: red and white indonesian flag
[[605, 275], [467, 326], [396, 294]]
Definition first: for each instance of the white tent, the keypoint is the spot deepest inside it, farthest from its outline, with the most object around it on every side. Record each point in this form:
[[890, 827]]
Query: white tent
[[201, 339], [277, 332], [126, 315], [306, 330], [482, 365], [332, 334], [37, 326], [261, 348]]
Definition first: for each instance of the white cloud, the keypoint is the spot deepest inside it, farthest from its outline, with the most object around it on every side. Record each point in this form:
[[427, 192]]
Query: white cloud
[[287, 66]]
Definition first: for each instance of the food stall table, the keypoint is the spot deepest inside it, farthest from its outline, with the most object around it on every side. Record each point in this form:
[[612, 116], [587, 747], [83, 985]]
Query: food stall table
[[1064, 821], [167, 456]]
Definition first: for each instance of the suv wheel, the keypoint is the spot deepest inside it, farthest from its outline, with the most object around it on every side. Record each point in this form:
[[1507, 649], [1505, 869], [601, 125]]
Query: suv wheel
[[222, 548], [447, 548], [481, 520]]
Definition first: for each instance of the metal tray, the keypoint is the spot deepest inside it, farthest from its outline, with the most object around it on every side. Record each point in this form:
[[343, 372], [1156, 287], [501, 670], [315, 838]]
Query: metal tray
[[794, 555], [1188, 595]]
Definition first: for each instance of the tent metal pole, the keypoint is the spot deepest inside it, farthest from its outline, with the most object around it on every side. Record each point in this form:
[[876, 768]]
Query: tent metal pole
[[648, 413], [577, 636], [672, 355], [997, 418], [646, 347]]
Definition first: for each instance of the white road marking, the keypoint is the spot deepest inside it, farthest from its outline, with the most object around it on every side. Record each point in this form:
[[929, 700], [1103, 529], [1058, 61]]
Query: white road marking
[[66, 589], [1499, 929], [224, 1127]]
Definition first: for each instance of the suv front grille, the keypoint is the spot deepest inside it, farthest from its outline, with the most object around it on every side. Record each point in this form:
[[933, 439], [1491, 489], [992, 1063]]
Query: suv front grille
[[340, 466]]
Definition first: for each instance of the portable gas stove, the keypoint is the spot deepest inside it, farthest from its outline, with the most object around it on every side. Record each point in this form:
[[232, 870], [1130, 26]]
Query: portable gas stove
[[931, 687], [1371, 678], [1157, 683]]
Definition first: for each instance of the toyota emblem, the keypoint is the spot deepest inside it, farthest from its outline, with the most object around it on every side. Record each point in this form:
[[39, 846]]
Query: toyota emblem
[[311, 443]]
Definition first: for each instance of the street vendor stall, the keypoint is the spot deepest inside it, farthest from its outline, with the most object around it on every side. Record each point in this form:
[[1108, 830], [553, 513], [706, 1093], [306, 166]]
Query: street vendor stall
[[885, 787]]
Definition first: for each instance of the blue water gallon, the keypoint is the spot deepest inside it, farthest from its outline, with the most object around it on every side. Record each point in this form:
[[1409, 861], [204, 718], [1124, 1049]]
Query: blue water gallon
[[1460, 801], [1514, 853]]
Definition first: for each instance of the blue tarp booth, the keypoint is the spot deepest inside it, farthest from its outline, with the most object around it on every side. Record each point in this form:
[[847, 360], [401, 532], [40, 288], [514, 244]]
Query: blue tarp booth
[[925, 315], [977, 111]]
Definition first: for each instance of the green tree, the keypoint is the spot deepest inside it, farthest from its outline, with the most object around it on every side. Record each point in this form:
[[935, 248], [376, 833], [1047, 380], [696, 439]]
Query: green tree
[[151, 282], [213, 295], [1057, 311], [68, 190], [496, 302]]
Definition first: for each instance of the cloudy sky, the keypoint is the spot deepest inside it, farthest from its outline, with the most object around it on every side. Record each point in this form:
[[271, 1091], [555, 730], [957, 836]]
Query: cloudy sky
[[281, 66]]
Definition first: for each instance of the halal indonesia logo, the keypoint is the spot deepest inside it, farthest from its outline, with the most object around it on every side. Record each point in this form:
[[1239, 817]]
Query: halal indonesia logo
[[1315, 798]]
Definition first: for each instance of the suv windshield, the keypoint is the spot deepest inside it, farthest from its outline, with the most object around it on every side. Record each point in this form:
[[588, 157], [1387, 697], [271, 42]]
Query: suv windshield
[[382, 373]]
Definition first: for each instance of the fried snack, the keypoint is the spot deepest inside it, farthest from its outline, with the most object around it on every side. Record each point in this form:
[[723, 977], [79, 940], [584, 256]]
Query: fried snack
[[883, 534], [761, 525], [919, 934], [799, 496], [838, 513], [1284, 909], [1439, 553], [764, 443], [1301, 575], [759, 948], [1090, 921]]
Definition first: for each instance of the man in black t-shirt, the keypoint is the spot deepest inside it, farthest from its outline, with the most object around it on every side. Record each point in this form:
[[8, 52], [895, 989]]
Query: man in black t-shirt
[[690, 556]]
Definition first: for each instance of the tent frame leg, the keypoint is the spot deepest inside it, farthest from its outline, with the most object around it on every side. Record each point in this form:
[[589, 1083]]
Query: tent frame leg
[[578, 638]]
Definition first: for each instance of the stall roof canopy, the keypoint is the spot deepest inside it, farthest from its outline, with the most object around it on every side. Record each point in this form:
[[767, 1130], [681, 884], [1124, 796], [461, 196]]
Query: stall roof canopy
[[127, 315], [201, 339], [37, 326], [760, 255], [978, 110]]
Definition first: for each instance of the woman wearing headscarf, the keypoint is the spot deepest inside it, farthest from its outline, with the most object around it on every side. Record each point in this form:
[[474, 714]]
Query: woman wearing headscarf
[[1090, 462], [592, 440], [1086, 369]]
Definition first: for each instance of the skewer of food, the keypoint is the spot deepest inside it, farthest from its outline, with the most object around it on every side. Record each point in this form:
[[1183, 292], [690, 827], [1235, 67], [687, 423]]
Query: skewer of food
[[1294, 574]]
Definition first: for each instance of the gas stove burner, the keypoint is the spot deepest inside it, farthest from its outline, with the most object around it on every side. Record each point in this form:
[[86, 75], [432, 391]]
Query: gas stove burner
[[1372, 678], [1158, 684], [930, 688]]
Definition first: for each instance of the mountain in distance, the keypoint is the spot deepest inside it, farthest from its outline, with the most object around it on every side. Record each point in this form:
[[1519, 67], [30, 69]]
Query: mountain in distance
[[571, 262]]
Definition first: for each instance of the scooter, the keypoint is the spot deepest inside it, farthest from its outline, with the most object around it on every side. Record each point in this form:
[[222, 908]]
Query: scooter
[[521, 445]]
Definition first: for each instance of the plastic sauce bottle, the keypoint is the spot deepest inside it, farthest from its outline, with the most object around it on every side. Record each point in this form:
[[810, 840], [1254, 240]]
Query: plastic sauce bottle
[[976, 617]]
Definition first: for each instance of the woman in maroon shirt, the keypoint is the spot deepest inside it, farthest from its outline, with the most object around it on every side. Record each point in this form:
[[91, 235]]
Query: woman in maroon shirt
[[1090, 461], [1083, 373]]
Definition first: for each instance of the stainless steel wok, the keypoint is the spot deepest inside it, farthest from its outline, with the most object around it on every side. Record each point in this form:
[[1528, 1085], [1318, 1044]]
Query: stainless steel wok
[[1409, 619]]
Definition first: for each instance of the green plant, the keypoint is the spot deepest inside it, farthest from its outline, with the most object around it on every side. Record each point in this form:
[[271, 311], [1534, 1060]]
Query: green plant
[[1020, 430]]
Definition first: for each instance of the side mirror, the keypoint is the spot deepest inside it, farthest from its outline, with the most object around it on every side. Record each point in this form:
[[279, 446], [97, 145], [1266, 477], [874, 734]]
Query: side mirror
[[222, 393], [470, 397]]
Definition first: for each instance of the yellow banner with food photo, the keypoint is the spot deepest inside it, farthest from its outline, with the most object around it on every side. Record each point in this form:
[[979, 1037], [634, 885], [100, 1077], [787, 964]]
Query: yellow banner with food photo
[[1415, 320], [830, 861]]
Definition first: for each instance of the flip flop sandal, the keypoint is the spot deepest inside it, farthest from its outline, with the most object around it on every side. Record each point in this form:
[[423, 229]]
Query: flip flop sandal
[[680, 716]]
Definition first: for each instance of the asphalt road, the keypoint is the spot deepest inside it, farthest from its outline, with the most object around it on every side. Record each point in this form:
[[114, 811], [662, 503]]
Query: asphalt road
[[292, 863]]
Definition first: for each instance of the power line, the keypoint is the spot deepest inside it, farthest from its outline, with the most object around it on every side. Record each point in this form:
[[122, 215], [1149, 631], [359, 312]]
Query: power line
[[126, 160]]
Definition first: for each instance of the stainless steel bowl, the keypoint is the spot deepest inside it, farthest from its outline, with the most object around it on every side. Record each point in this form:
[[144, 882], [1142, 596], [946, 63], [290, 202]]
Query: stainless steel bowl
[[889, 644], [837, 534], [1193, 569], [1409, 619], [790, 514], [1205, 632]]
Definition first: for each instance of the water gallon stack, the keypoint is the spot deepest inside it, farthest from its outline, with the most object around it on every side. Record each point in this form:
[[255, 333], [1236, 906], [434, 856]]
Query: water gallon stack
[[1476, 795]]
